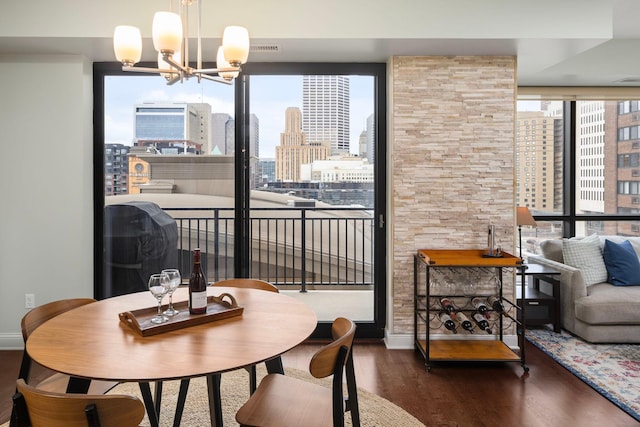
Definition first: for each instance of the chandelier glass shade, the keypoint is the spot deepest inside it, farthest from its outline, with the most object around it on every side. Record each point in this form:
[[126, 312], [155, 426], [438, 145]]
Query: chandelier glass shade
[[170, 34]]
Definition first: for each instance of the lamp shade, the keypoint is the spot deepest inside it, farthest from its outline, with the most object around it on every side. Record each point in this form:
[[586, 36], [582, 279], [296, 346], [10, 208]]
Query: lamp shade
[[524, 217], [167, 32], [221, 62], [127, 44], [235, 45]]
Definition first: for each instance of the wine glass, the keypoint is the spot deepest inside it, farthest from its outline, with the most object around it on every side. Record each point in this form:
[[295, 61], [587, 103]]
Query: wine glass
[[174, 281], [159, 287]]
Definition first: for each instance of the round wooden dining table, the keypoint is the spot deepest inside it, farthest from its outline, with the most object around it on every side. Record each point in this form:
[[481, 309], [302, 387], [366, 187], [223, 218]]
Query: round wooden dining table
[[91, 342]]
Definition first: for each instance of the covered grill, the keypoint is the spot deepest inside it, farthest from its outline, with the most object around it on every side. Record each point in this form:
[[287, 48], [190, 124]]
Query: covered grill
[[139, 239]]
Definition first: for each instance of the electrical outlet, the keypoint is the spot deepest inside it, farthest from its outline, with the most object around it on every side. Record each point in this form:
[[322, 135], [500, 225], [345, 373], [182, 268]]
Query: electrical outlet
[[29, 300]]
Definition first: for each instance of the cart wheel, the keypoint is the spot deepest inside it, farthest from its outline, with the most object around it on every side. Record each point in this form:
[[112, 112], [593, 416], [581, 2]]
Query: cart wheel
[[526, 368]]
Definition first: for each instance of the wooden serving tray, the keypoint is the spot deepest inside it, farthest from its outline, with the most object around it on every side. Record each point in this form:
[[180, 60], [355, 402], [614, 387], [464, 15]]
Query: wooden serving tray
[[217, 308]]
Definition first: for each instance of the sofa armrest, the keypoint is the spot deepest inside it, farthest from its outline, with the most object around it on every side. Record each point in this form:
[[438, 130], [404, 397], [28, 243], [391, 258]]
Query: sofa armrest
[[572, 287]]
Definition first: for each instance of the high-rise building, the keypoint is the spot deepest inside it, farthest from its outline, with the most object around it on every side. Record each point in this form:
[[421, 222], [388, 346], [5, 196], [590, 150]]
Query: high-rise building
[[294, 150], [362, 144], [325, 106], [535, 160], [265, 171], [622, 165], [186, 123], [590, 135], [116, 169], [370, 139], [220, 124], [223, 134]]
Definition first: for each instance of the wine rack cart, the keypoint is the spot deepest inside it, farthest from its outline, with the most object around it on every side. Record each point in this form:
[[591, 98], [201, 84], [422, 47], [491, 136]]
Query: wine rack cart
[[426, 303]]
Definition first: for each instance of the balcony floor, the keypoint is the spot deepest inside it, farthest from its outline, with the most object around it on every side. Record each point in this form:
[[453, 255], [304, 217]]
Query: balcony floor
[[356, 305]]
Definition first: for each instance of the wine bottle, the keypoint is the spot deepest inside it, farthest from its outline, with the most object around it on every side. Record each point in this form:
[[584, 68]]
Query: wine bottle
[[447, 322], [480, 305], [197, 287], [495, 303], [465, 322], [447, 306], [481, 322]]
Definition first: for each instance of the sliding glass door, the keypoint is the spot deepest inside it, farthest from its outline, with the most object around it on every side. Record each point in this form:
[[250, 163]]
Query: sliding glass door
[[279, 176], [312, 147]]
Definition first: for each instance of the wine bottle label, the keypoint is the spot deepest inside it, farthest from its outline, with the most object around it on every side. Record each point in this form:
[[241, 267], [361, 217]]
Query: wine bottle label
[[198, 300]]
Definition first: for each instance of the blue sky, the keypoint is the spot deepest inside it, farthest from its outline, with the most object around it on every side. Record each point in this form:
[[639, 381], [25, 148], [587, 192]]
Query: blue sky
[[270, 97]]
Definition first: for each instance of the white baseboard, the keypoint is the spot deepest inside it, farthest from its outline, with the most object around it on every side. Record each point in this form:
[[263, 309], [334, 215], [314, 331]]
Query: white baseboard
[[11, 341]]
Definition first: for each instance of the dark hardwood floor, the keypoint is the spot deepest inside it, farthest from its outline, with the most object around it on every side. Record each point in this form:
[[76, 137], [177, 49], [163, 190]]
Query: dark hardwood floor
[[451, 394]]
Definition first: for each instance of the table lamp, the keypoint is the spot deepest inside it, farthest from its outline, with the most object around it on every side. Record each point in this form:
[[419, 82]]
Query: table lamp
[[523, 217]]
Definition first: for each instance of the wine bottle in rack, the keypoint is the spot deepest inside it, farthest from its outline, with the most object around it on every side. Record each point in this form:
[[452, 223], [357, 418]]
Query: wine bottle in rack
[[447, 322], [495, 303], [197, 287], [481, 322], [447, 306], [481, 306], [465, 322]]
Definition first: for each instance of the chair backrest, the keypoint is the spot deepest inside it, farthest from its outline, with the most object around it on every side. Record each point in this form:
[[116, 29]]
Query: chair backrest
[[42, 313], [37, 316], [247, 283], [324, 362], [49, 409]]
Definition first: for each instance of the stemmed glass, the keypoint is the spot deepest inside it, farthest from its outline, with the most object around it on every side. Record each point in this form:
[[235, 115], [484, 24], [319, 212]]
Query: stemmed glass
[[174, 282], [159, 287]]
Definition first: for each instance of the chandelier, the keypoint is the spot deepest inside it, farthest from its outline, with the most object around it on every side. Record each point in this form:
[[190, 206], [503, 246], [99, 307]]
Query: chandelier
[[171, 40]]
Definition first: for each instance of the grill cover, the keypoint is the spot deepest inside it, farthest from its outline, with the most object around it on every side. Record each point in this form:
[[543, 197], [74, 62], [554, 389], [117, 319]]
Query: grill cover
[[140, 239]]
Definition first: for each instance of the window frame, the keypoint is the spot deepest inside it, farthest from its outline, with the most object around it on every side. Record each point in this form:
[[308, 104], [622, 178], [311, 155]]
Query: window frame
[[569, 217]]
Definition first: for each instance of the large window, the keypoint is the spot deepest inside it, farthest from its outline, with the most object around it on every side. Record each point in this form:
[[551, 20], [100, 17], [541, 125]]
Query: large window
[[577, 168]]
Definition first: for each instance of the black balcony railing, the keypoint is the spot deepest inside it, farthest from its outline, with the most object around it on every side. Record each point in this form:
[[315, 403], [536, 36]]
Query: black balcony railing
[[295, 246]]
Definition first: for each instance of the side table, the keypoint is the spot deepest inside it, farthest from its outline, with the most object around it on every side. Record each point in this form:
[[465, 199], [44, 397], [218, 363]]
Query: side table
[[541, 308]]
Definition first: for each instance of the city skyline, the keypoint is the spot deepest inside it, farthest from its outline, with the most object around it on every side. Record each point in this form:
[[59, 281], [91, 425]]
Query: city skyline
[[270, 96]]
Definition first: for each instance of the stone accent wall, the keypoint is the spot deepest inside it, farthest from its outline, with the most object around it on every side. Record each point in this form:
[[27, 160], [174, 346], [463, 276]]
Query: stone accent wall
[[452, 170]]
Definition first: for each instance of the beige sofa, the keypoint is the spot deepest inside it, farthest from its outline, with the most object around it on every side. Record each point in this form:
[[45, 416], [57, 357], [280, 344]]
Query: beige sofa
[[598, 312]]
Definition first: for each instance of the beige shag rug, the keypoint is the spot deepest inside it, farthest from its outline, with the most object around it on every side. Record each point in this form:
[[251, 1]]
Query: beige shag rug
[[374, 410]]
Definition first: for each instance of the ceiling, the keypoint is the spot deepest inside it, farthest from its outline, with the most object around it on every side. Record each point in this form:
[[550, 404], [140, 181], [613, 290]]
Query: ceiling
[[582, 54]]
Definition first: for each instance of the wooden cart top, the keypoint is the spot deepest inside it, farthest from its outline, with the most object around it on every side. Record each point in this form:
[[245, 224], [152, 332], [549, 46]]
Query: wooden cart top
[[466, 258]]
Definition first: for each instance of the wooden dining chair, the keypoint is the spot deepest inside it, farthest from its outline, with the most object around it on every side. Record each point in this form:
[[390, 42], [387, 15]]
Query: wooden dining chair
[[54, 382], [34, 407], [285, 401], [37, 316], [213, 381]]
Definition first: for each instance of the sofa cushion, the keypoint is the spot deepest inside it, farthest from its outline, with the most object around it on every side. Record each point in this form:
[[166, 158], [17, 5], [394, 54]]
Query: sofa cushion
[[606, 304], [585, 254], [622, 263], [552, 249], [635, 241]]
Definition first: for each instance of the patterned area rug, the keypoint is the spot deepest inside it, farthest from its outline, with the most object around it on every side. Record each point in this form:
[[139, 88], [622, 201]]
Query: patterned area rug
[[611, 369]]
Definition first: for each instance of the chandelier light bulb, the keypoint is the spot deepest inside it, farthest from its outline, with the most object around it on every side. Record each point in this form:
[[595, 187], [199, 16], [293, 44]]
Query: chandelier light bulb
[[221, 62], [235, 45], [164, 65], [127, 44], [167, 32]]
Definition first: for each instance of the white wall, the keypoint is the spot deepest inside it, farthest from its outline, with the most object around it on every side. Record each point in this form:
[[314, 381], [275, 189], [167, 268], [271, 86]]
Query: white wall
[[46, 211]]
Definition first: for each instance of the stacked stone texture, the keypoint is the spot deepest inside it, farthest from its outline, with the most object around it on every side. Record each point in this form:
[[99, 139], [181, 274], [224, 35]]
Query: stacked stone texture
[[452, 170]]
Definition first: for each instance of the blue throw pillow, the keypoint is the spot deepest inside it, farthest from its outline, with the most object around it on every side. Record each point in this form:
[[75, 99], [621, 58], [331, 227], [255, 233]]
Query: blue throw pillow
[[622, 263]]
